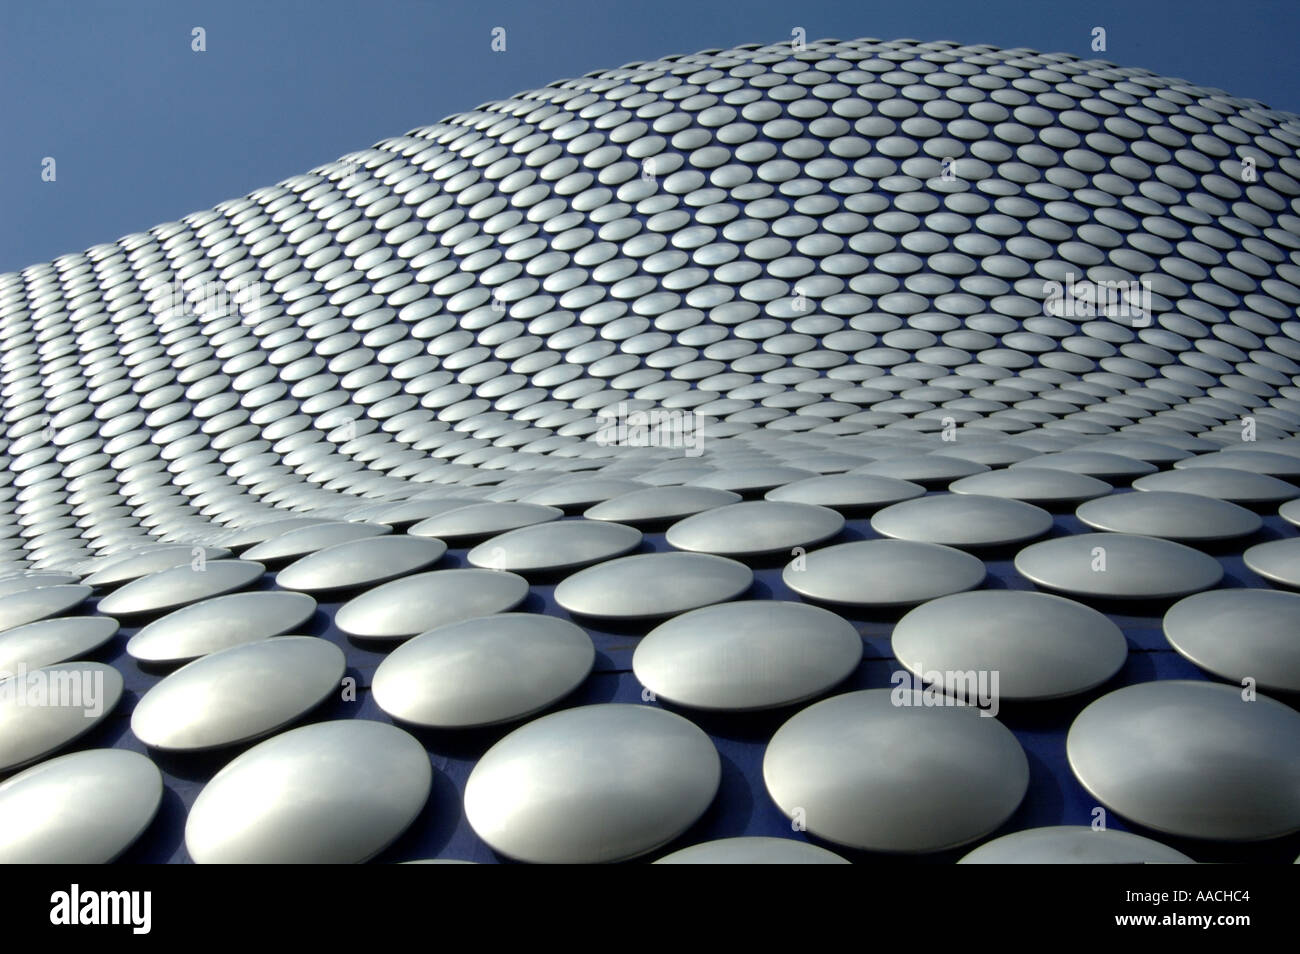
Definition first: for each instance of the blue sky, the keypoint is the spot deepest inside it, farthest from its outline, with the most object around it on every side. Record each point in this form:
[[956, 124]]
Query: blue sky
[[144, 130]]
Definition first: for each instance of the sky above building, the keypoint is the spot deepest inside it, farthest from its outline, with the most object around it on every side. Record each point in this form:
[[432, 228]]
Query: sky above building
[[142, 128]]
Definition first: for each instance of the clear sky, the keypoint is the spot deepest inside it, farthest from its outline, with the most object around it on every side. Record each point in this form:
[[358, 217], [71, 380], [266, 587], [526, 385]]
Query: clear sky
[[144, 130]]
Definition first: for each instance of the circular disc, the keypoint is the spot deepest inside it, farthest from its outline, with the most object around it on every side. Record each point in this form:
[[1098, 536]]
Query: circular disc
[[581, 494], [1240, 634], [360, 563], [882, 573], [409, 606], [1092, 463], [1192, 759], [1039, 646], [749, 655], [847, 492], [150, 560], [277, 679], [751, 480], [259, 531], [927, 469], [882, 771], [28, 606], [1254, 461], [1173, 516], [658, 504], [753, 851], [303, 540], [179, 586], [331, 793], [484, 519], [50, 641], [1238, 486], [42, 710], [85, 808], [34, 581], [407, 512], [1036, 485], [1118, 566], [754, 528], [652, 585], [962, 520], [483, 671], [562, 545], [593, 784], [1277, 561], [1073, 845], [219, 623]]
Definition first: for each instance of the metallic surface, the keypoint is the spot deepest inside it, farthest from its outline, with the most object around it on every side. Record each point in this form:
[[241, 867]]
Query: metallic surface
[[1239, 635], [43, 710], [1118, 566], [962, 520], [330, 793], [179, 586], [483, 671], [950, 774], [753, 851], [1193, 759], [546, 548], [50, 641], [274, 680], [1184, 517], [28, 606], [568, 332], [754, 528], [219, 623], [884, 573], [414, 604], [1073, 845], [752, 655], [362, 562], [1040, 646], [592, 784], [85, 808], [651, 585]]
